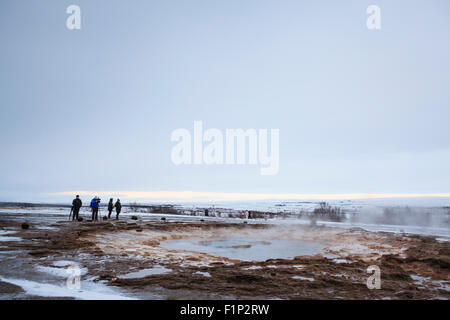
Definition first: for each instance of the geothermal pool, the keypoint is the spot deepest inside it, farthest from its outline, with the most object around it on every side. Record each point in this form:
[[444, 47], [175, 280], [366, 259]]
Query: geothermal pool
[[248, 250]]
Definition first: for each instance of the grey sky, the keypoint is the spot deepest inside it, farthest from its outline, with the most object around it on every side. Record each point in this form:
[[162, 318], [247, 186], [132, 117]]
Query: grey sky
[[359, 111]]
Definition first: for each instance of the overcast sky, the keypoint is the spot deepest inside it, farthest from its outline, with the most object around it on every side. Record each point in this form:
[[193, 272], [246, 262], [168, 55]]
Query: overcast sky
[[359, 110]]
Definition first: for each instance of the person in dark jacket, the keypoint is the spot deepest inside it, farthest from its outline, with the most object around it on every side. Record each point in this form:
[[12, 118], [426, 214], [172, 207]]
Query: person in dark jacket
[[76, 205], [110, 207], [95, 203], [118, 207]]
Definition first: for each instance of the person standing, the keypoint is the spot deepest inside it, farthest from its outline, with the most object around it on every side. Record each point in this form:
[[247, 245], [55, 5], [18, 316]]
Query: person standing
[[118, 207], [95, 203], [110, 207], [76, 205], [246, 214]]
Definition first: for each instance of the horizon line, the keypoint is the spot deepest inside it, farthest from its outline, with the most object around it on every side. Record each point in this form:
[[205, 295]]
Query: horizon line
[[225, 196]]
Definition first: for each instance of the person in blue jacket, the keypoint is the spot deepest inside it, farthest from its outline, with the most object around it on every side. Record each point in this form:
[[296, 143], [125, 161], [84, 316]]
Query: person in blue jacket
[[95, 204]]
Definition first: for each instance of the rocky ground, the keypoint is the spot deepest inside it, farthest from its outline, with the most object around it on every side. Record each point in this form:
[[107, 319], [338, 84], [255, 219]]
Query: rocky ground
[[128, 259]]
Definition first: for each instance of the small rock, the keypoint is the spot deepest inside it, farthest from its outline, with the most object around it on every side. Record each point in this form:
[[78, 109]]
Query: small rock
[[134, 217], [80, 219], [163, 218], [202, 220], [105, 218], [25, 225]]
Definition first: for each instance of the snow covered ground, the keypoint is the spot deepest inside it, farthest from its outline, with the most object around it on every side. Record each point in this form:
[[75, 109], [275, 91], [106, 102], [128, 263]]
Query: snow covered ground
[[88, 290]]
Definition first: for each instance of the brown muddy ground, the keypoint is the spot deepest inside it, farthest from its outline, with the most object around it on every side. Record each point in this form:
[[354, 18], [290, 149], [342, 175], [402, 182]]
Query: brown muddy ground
[[412, 267]]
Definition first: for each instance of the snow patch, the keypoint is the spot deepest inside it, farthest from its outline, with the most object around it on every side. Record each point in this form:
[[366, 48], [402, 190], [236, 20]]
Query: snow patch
[[145, 272], [6, 239], [64, 263], [252, 268], [59, 272], [88, 290], [341, 261], [303, 278], [206, 274]]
